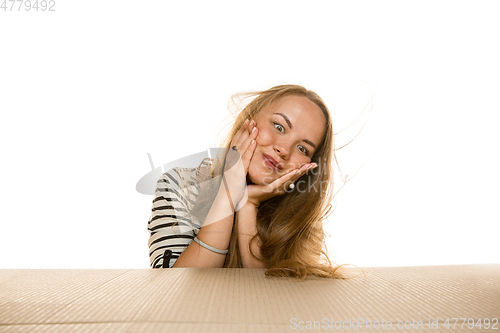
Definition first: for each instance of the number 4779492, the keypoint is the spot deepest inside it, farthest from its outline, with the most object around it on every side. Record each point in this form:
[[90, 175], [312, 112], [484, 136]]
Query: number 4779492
[[471, 323], [28, 5]]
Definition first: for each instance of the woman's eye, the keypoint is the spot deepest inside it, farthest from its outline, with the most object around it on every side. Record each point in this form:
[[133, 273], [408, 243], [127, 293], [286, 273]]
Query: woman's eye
[[279, 127]]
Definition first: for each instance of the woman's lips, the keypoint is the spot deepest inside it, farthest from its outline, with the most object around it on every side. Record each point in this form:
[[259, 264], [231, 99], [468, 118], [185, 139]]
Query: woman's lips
[[268, 163]]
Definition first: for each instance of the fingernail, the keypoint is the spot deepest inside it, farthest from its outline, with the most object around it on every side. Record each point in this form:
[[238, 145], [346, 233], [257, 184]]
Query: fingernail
[[254, 129], [246, 121], [253, 122]]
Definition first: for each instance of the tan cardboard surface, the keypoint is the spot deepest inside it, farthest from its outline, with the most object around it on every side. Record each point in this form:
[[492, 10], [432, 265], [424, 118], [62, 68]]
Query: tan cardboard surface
[[244, 300]]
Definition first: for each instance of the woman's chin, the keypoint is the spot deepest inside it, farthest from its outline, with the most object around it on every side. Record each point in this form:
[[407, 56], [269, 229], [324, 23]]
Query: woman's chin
[[260, 176], [259, 180], [253, 179]]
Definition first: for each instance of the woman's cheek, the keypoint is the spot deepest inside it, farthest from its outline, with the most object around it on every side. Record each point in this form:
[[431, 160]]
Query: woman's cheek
[[263, 137]]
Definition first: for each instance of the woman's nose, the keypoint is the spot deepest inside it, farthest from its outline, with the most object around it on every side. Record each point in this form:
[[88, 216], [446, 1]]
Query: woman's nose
[[281, 151]]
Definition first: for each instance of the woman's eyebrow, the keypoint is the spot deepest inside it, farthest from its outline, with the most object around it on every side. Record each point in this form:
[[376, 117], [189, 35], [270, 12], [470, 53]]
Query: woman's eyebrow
[[286, 119], [290, 125]]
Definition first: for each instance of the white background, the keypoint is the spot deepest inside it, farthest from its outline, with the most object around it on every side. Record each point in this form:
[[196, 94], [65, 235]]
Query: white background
[[88, 90]]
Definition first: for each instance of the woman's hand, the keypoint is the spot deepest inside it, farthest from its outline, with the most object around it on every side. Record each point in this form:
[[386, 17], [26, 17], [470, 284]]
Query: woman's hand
[[238, 161], [260, 193]]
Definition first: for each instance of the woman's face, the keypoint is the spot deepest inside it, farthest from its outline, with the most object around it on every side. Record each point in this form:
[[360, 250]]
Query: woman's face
[[290, 130]]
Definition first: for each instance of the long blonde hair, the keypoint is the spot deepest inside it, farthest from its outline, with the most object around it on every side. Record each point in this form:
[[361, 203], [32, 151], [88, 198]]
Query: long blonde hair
[[290, 226]]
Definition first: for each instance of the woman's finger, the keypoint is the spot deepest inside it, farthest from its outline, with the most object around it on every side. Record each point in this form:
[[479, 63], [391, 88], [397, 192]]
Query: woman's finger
[[234, 156], [278, 183], [241, 135], [248, 147], [244, 142], [249, 136], [283, 183], [303, 170]]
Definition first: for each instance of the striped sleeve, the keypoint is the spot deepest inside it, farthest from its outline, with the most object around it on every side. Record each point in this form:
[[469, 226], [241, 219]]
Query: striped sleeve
[[170, 226]]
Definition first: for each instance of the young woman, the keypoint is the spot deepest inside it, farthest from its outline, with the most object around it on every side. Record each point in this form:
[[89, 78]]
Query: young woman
[[262, 203]]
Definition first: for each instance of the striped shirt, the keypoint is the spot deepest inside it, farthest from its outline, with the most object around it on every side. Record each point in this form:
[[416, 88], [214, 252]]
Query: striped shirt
[[171, 225]]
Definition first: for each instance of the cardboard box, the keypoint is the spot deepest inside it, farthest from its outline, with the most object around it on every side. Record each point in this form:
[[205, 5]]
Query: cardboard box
[[244, 300]]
